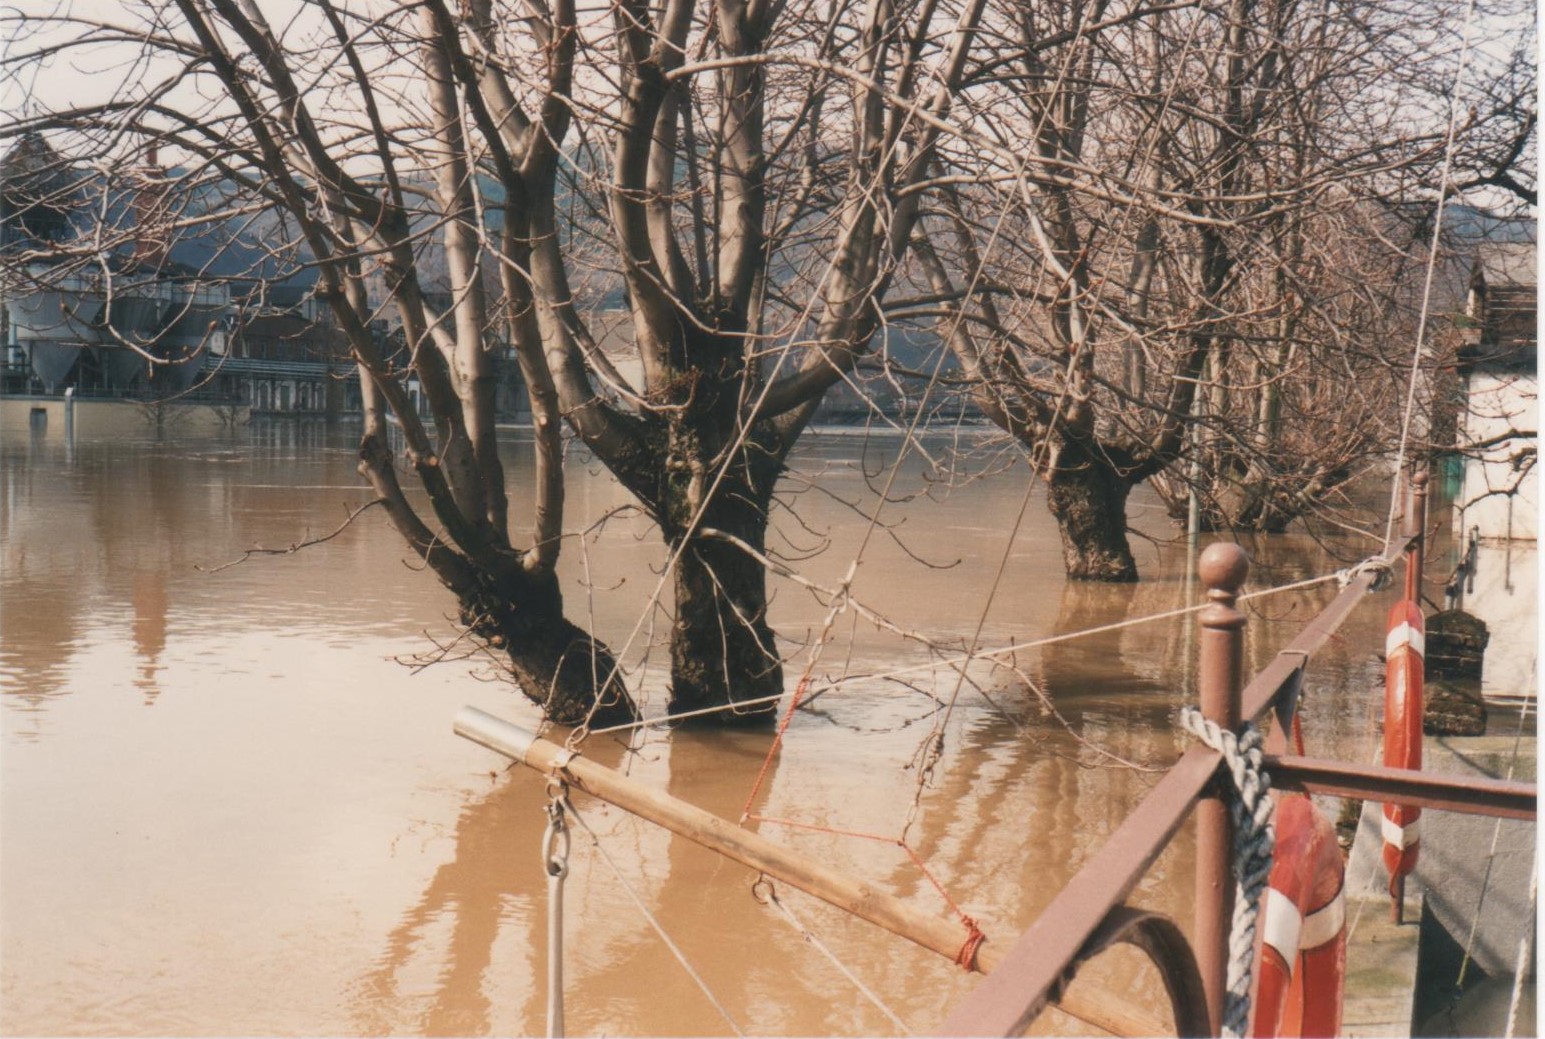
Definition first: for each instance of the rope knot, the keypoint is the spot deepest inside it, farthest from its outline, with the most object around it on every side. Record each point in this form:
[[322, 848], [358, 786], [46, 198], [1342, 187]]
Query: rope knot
[[965, 959], [1381, 569], [1251, 808]]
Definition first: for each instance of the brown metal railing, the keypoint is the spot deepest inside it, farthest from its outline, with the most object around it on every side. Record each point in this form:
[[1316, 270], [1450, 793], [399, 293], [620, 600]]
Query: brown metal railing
[[1037, 969]]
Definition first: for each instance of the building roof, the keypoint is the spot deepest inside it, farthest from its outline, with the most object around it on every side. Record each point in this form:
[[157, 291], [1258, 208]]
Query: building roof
[[1507, 264], [1504, 308]]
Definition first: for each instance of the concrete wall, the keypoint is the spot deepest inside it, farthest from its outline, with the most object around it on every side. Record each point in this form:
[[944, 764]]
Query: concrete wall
[[45, 417], [1505, 595]]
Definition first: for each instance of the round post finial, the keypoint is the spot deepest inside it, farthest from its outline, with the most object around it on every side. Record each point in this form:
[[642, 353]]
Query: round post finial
[[1223, 569]]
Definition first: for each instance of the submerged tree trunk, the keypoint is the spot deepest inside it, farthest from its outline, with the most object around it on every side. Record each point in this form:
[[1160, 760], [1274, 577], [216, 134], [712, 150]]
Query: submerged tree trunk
[[723, 652], [1088, 498], [557, 664]]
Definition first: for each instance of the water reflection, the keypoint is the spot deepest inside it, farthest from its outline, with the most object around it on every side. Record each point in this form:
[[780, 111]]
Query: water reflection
[[150, 603], [291, 755], [430, 979], [468, 957]]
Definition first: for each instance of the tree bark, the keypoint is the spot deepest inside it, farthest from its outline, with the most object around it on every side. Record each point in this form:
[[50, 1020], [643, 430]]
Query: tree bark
[[722, 650], [1088, 498], [558, 665]]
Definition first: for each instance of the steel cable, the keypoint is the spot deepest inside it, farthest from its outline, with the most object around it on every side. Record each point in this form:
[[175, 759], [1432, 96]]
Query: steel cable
[[675, 949]]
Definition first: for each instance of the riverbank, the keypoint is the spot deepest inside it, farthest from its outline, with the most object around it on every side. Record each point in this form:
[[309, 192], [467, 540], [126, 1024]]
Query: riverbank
[[60, 416]]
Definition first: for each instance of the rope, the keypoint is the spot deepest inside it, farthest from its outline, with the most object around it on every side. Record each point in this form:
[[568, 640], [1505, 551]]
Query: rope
[[1432, 265], [1341, 577], [772, 751], [1383, 572], [1491, 857], [681, 957], [1254, 836], [764, 892], [1524, 945], [966, 957]]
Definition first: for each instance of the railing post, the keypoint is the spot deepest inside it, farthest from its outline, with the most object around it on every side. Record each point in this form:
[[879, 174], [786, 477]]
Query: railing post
[[1416, 551], [1223, 569]]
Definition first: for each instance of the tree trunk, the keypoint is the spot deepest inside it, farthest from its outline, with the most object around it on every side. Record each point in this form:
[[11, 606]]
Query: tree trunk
[[722, 650], [1088, 497], [557, 664]]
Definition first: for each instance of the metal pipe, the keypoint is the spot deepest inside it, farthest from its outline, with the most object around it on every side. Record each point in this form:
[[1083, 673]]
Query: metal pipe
[[1223, 569], [1415, 560], [1499, 798], [555, 863], [945, 937], [496, 734], [1416, 549]]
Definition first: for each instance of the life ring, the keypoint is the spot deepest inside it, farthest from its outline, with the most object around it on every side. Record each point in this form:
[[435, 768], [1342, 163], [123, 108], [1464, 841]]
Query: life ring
[[1301, 965], [1404, 650]]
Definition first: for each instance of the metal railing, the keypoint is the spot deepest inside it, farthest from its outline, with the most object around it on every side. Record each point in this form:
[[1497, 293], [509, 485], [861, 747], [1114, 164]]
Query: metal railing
[[1090, 914], [1040, 965]]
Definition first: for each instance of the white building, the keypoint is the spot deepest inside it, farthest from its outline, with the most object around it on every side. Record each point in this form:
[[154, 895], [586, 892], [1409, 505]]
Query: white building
[[1499, 495], [1497, 507]]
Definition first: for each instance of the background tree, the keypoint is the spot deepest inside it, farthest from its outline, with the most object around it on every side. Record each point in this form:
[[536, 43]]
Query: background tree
[[1198, 252], [1155, 237]]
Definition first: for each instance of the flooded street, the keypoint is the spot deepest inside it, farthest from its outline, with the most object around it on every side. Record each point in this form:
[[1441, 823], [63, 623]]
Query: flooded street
[[232, 804]]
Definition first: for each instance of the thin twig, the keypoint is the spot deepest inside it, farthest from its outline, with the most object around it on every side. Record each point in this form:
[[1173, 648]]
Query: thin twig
[[259, 550]]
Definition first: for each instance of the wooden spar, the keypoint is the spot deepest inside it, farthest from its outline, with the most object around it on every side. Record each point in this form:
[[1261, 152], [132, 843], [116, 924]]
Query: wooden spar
[[944, 937]]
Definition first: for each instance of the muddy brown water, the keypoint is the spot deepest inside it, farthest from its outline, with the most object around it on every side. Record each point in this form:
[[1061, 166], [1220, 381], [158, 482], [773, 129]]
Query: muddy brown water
[[231, 805]]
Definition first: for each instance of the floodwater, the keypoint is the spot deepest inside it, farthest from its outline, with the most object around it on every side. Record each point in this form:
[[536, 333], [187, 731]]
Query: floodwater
[[232, 803]]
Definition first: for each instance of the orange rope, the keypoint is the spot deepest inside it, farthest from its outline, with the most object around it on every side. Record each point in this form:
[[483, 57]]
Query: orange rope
[[926, 872], [818, 828], [965, 959], [772, 751]]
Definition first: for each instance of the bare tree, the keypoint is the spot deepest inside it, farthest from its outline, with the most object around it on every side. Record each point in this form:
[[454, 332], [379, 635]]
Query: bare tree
[[1115, 215], [1195, 261], [756, 171]]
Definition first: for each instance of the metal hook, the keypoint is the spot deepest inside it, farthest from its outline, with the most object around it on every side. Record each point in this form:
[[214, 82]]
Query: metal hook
[[555, 841]]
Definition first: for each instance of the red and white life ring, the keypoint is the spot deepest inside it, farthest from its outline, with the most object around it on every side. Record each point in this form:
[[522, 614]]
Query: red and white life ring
[[1301, 966], [1404, 650]]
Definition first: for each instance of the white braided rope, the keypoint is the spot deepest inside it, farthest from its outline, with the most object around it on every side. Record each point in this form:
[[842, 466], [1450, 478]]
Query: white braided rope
[[1381, 569], [1254, 837]]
